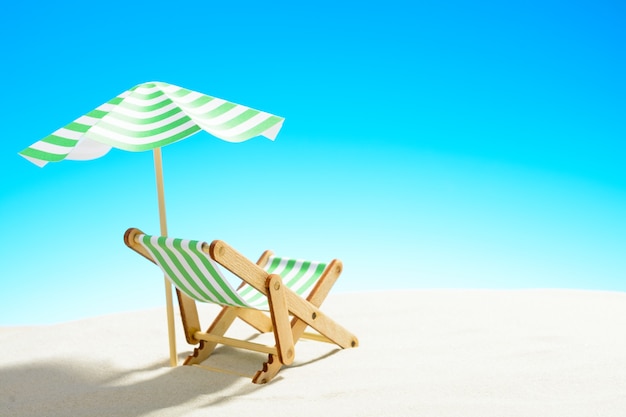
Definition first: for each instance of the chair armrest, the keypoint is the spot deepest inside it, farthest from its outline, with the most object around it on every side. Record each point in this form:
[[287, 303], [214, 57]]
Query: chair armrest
[[235, 262]]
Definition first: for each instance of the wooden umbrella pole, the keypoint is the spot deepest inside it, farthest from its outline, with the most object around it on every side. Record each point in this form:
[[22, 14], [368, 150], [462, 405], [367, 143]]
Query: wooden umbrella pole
[[169, 305]]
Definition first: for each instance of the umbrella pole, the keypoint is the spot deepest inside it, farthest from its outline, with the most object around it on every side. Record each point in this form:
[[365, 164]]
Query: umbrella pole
[[158, 168]]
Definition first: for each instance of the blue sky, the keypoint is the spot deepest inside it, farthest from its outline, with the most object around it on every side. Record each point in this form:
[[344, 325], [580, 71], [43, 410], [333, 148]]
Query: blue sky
[[432, 145]]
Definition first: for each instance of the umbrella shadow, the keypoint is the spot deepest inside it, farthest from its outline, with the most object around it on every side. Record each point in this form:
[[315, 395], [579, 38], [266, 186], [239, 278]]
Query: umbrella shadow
[[77, 387]]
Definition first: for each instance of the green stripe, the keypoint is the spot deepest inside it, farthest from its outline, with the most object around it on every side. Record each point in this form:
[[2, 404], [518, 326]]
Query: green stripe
[[44, 156], [181, 92], [258, 129], [162, 263], [303, 268], [252, 299], [246, 290], [200, 101], [219, 110], [97, 114], [146, 133], [288, 267], [270, 269], [181, 258], [236, 121], [144, 147], [77, 127], [177, 243], [60, 141], [218, 280], [149, 96], [116, 100], [318, 272]]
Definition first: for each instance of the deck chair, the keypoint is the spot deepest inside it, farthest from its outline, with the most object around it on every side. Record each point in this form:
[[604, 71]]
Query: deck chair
[[291, 291]]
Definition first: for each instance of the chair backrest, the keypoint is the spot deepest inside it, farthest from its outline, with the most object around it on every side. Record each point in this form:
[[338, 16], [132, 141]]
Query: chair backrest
[[192, 271], [298, 275]]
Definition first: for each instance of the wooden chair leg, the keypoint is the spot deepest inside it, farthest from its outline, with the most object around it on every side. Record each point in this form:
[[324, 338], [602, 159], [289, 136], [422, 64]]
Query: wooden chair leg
[[220, 325], [223, 321], [272, 365], [280, 319], [316, 297]]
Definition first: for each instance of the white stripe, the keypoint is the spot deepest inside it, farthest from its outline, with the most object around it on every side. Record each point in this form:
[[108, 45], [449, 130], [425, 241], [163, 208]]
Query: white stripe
[[189, 270], [68, 134], [222, 118], [208, 275], [294, 271], [107, 107], [139, 141], [260, 304], [138, 114], [87, 120], [260, 301], [88, 149], [280, 267], [184, 285], [169, 88], [186, 99], [39, 162], [135, 127], [205, 108], [144, 89], [272, 132], [243, 127], [51, 148], [145, 102], [297, 267], [253, 292], [304, 278]]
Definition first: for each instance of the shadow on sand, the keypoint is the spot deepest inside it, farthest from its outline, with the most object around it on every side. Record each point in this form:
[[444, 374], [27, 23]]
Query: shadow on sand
[[70, 387]]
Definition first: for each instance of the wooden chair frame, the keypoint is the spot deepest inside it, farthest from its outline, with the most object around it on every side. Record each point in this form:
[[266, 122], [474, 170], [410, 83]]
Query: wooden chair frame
[[283, 303]]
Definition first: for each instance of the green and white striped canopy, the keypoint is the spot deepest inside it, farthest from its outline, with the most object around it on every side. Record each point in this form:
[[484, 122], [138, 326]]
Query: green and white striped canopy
[[148, 116]]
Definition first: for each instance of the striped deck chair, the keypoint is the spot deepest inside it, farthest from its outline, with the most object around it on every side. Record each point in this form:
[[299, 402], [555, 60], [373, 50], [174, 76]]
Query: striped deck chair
[[291, 291]]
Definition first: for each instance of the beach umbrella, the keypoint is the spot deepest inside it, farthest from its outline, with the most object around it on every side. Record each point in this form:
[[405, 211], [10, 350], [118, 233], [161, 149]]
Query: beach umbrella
[[147, 117]]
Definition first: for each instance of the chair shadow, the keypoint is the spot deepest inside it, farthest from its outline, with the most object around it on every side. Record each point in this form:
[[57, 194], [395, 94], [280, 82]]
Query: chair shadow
[[73, 388], [310, 361], [77, 387]]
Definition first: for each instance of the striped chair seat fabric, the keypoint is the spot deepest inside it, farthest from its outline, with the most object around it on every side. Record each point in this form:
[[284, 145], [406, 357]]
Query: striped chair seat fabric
[[197, 275]]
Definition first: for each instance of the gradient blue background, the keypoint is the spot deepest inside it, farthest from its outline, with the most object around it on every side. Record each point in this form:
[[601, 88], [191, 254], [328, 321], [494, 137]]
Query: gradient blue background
[[430, 145]]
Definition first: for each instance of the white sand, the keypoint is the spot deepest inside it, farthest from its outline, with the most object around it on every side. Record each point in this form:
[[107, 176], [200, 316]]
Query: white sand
[[426, 352]]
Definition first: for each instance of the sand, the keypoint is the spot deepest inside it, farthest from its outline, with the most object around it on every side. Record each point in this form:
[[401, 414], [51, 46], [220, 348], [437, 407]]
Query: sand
[[422, 352]]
